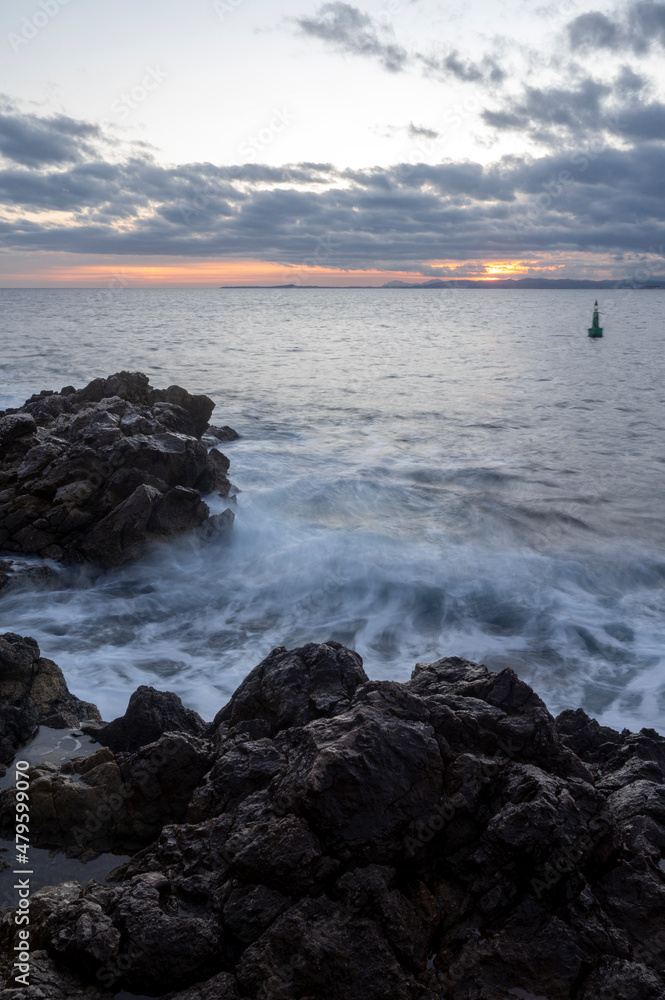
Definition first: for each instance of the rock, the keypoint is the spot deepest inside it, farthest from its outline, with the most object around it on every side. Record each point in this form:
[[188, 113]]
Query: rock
[[198, 408], [292, 688], [104, 803], [33, 693], [220, 987], [214, 477], [224, 433], [14, 577], [49, 981], [149, 715], [15, 426], [348, 839], [503, 713], [146, 514], [310, 950], [96, 474], [218, 526]]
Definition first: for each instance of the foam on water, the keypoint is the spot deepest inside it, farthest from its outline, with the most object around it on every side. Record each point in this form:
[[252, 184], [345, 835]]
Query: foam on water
[[499, 500]]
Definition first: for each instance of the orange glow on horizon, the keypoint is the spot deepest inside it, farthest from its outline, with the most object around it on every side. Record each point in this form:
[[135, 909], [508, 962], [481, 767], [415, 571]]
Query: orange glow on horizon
[[197, 273], [54, 269]]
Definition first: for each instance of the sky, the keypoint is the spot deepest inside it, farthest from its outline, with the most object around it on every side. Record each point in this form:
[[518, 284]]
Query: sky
[[246, 142]]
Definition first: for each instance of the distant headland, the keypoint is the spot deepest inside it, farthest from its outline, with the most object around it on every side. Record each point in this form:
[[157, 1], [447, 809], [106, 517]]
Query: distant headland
[[557, 283]]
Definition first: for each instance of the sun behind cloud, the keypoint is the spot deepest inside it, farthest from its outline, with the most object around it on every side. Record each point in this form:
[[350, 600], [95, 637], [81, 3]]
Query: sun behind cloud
[[505, 269]]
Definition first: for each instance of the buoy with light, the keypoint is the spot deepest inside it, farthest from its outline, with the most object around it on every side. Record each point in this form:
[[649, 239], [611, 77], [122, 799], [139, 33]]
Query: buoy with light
[[595, 330]]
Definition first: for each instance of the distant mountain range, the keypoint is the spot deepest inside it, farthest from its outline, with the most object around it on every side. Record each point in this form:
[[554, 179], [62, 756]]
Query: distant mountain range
[[656, 282]]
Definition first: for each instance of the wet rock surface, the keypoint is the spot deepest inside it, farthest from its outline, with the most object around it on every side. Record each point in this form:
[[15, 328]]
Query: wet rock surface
[[33, 693], [94, 474], [339, 838]]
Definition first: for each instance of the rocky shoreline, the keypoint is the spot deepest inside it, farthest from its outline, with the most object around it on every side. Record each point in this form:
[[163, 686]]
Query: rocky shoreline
[[331, 837], [325, 836]]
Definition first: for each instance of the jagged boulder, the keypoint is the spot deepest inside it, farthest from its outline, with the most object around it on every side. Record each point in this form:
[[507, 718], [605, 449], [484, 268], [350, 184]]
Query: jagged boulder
[[95, 474], [290, 688], [149, 715]]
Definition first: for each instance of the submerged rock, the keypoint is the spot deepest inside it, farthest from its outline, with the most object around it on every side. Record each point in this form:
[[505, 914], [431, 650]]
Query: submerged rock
[[337, 838], [95, 474]]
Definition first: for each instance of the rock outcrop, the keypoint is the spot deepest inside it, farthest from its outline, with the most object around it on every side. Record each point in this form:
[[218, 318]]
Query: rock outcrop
[[33, 693], [338, 838], [94, 474], [149, 715]]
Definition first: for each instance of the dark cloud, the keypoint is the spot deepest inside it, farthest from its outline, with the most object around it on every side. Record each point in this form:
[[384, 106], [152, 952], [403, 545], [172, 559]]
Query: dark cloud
[[420, 132], [629, 83], [603, 200], [584, 114], [641, 122], [32, 141], [546, 114], [593, 31], [486, 70], [636, 27], [347, 29]]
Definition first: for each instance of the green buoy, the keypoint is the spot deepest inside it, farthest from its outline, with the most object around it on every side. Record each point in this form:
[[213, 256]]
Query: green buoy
[[595, 330]]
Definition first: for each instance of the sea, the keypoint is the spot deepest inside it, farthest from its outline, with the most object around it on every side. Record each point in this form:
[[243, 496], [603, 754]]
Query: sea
[[419, 474]]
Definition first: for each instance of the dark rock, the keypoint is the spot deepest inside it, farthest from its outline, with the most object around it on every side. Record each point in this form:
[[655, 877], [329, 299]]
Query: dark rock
[[250, 909], [33, 693], [14, 426], [220, 987], [586, 737], [246, 767], [96, 474], [149, 715], [102, 802], [214, 477], [218, 526], [146, 514], [49, 981], [292, 688], [13, 577], [224, 433], [347, 839], [496, 712], [310, 951], [198, 408]]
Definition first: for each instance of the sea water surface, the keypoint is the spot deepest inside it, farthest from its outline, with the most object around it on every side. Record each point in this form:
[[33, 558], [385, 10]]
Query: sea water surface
[[420, 474]]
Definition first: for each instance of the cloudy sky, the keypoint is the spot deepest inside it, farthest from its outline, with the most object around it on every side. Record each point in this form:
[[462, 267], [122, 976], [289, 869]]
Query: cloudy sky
[[241, 141]]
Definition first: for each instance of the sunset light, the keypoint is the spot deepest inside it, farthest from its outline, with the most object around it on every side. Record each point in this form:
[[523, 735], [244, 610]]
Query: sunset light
[[505, 269], [331, 477]]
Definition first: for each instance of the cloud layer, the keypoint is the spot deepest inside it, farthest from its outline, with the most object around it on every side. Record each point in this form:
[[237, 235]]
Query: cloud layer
[[58, 194]]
